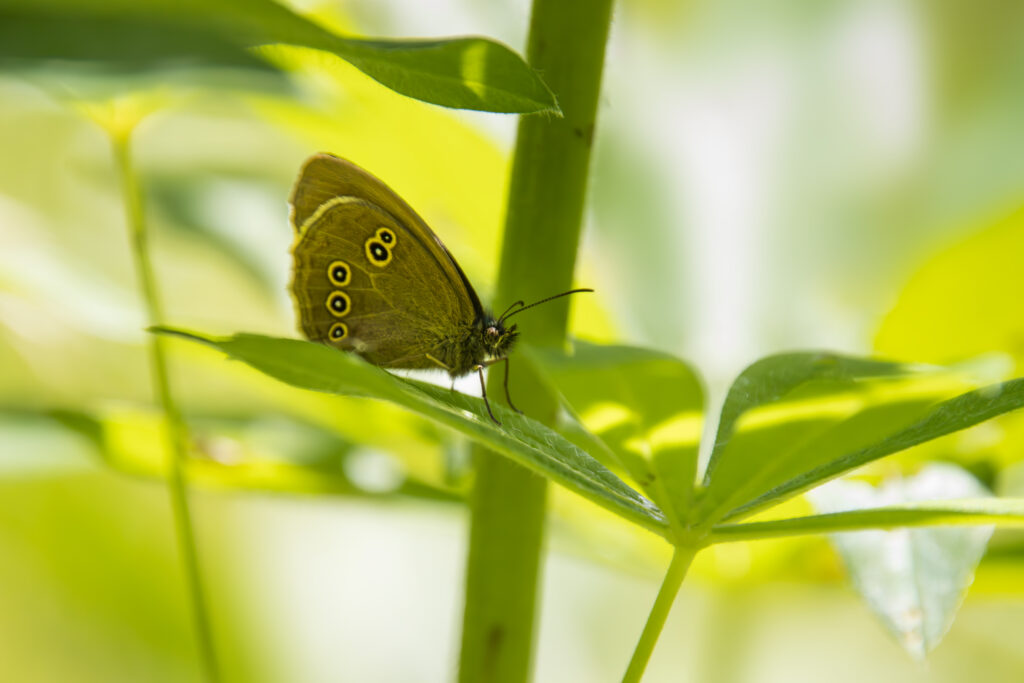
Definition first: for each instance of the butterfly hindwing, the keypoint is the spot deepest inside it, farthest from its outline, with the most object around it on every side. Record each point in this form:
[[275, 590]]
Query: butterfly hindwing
[[363, 280]]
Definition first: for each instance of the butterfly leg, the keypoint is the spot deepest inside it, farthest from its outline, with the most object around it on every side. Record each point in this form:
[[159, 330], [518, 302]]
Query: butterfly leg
[[483, 391], [439, 363], [508, 396]]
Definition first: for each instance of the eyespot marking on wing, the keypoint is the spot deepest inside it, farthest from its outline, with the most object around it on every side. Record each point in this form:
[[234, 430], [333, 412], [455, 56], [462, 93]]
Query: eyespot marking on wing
[[377, 252], [339, 304], [337, 332], [339, 273]]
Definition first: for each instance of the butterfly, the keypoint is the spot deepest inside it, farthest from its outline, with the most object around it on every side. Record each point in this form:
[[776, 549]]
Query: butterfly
[[369, 276]]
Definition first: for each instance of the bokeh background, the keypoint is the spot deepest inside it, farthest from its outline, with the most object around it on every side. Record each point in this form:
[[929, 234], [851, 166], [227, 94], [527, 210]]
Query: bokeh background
[[846, 175]]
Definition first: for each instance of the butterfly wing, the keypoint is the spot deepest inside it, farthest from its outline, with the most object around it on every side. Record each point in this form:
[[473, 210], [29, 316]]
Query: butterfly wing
[[363, 280], [325, 176]]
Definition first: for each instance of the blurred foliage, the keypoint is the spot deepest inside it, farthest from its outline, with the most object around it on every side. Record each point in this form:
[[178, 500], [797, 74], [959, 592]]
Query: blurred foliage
[[958, 305]]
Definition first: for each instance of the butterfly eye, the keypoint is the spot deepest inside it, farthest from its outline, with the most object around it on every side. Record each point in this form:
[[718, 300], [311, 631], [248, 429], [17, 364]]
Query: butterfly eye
[[339, 273], [386, 236], [338, 331], [378, 254], [338, 304]]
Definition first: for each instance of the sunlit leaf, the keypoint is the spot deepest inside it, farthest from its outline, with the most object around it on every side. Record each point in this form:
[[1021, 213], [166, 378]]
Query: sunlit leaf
[[793, 421], [319, 368], [940, 419], [785, 413], [913, 579], [645, 405], [465, 73]]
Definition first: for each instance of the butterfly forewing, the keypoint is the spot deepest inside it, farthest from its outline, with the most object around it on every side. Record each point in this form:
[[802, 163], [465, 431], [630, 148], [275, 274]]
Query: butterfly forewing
[[365, 281], [324, 177]]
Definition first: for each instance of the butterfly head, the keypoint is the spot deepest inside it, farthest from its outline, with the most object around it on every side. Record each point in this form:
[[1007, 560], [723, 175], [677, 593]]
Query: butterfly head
[[497, 339]]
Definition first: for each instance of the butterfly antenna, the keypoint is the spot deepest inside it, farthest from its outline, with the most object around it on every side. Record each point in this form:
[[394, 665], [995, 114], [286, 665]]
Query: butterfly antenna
[[502, 316], [506, 315]]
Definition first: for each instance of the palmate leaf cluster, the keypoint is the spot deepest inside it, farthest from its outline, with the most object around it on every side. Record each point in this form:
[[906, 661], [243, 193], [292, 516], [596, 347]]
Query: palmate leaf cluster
[[788, 424]]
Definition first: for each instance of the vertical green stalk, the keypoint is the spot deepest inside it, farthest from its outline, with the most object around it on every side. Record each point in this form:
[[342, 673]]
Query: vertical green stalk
[[545, 208], [175, 426], [659, 613]]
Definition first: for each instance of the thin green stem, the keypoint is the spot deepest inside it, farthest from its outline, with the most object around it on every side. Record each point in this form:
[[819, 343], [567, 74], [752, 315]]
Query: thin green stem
[[659, 613], [175, 426], [545, 208]]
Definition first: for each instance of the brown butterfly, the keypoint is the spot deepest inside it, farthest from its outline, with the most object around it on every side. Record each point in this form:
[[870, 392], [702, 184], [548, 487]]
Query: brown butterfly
[[370, 276]]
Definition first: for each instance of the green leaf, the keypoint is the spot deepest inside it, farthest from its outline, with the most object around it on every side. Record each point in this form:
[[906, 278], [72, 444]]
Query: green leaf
[[531, 444], [913, 579], [795, 420], [645, 405], [464, 73], [959, 512], [770, 379], [943, 418]]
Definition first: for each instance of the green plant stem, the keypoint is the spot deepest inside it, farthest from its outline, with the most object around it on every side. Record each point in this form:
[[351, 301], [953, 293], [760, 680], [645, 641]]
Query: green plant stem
[[659, 613], [175, 426], [545, 207]]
